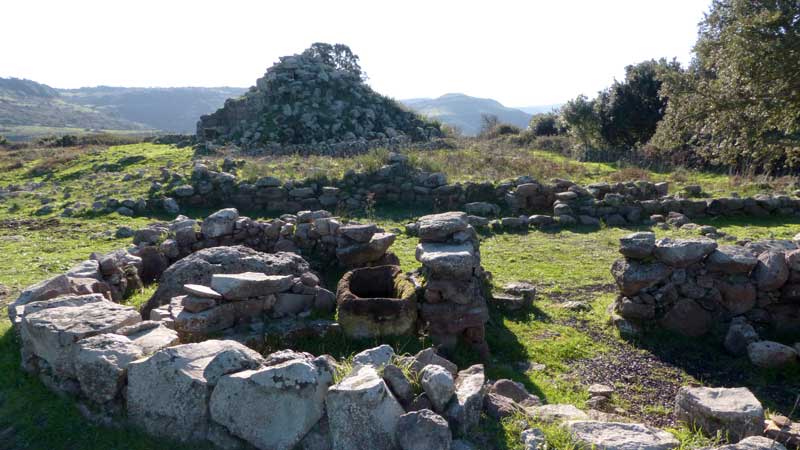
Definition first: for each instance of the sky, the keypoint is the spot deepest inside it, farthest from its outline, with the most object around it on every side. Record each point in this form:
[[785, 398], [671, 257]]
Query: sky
[[524, 52]]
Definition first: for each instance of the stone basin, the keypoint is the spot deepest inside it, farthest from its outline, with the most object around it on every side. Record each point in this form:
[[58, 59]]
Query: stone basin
[[376, 302]]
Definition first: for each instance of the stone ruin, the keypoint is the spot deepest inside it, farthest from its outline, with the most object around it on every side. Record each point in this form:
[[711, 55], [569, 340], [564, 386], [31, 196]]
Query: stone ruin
[[454, 283], [695, 287]]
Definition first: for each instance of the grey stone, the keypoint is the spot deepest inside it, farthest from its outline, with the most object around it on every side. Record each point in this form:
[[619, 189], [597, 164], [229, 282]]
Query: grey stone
[[221, 223], [533, 439], [101, 364], [439, 227], [429, 356], [438, 384], [557, 413], [733, 411], [754, 443], [423, 430], [241, 286], [398, 383], [770, 354], [638, 245], [740, 334], [447, 260], [683, 252], [771, 271], [272, 407], [376, 357], [198, 290], [620, 436], [150, 336], [464, 409], [633, 276], [362, 412], [731, 259]]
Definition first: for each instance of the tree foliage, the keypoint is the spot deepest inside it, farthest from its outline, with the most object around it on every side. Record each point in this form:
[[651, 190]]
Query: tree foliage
[[738, 102], [338, 56], [545, 124], [582, 120], [630, 110]]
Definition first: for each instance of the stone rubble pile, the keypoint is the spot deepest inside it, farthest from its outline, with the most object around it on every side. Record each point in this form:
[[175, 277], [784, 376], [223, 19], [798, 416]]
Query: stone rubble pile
[[453, 304], [693, 286]]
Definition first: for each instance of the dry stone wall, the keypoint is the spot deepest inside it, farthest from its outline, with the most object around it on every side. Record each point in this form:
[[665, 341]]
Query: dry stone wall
[[694, 286]]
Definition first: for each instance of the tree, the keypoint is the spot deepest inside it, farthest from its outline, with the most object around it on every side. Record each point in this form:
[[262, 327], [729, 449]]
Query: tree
[[545, 124], [738, 102], [630, 110], [338, 56], [582, 121]]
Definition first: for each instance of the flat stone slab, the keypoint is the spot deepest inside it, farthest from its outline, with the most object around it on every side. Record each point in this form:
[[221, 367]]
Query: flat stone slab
[[198, 290], [731, 259], [620, 436], [733, 411], [447, 260], [557, 413], [51, 332], [683, 252], [633, 276], [150, 336], [241, 286], [438, 227]]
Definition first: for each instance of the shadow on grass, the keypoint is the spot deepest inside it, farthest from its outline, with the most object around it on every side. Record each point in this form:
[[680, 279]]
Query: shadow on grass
[[706, 360]]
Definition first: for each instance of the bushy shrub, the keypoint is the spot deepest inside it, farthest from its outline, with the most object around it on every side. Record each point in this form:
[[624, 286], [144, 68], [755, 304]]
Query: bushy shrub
[[546, 124]]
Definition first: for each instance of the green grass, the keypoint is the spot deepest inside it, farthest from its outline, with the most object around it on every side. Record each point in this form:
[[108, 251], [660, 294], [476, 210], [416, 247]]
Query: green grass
[[570, 264]]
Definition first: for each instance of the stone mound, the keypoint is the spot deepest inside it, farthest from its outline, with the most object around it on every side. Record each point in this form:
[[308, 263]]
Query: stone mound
[[317, 96]]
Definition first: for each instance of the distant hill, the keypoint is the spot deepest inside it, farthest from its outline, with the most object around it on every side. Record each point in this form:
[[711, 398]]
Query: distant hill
[[465, 112], [537, 109], [168, 109], [29, 109]]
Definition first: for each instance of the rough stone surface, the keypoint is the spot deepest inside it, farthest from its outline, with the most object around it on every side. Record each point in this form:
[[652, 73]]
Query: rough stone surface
[[638, 245], [771, 354], [272, 407], [733, 411], [632, 276], [423, 430], [168, 392], [771, 271], [464, 410], [740, 334], [557, 413], [620, 436], [362, 412], [101, 364], [684, 252], [241, 286], [447, 260], [732, 259], [754, 443], [399, 384], [429, 356], [438, 384], [436, 227], [376, 357], [220, 223]]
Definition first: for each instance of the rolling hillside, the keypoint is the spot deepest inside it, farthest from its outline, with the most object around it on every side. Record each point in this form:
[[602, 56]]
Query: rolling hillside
[[465, 112]]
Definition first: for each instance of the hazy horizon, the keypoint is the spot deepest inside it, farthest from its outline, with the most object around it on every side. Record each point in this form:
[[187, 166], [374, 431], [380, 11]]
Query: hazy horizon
[[537, 53]]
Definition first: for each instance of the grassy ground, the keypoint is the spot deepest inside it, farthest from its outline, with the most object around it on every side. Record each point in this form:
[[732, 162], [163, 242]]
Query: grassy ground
[[554, 351]]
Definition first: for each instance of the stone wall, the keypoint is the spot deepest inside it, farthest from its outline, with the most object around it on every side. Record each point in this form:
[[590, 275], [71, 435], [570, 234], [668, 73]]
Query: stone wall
[[695, 287], [516, 204]]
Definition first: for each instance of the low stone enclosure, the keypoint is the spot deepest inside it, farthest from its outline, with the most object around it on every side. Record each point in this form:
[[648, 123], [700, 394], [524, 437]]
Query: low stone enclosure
[[525, 201], [695, 287], [191, 365]]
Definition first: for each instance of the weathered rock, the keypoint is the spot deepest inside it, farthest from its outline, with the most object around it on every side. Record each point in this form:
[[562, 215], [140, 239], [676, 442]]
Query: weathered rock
[[438, 384], [740, 334], [359, 233], [771, 271], [220, 223], [734, 412], [438, 227], [429, 356], [150, 336], [283, 402], [101, 364], [738, 295], [398, 383], [447, 260], [514, 391], [376, 357], [754, 443], [359, 255], [362, 412], [731, 259], [50, 329], [199, 267], [423, 430], [633, 276], [168, 392], [498, 407], [557, 413], [683, 252], [533, 439], [197, 304], [241, 286], [638, 245], [620, 436], [770, 354], [201, 291], [687, 318], [464, 409]]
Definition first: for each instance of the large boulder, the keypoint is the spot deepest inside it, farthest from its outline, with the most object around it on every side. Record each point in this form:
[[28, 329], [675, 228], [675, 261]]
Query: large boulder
[[633, 276], [683, 252], [200, 266], [771, 271], [283, 402], [362, 412], [168, 392], [620, 436], [735, 412], [423, 430], [51, 329], [438, 384], [464, 410], [753, 443]]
